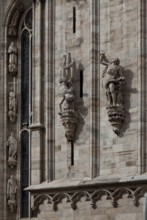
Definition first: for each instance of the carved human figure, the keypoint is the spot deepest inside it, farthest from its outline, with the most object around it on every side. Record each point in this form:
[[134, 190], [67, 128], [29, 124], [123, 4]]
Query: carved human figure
[[68, 114], [11, 188], [12, 149], [66, 84], [12, 65], [67, 66], [112, 79], [12, 106]]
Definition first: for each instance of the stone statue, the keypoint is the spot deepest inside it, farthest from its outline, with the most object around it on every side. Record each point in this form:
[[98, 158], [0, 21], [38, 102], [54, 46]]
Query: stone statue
[[11, 192], [12, 106], [12, 64], [112, 79], [66, 84], [12, 151], [67, 105]]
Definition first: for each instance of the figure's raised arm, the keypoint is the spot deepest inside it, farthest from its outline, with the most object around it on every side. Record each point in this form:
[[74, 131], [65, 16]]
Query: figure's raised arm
[[103, 59]]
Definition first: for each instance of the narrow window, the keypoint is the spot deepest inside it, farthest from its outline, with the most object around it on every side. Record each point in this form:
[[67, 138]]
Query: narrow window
[[72, 153], [81, 83], [26, 70], [25, 78], [24, 173], [26, 88], [74, 20]]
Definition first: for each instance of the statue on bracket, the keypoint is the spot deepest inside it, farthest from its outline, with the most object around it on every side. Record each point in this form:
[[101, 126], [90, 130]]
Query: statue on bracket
[[113, 80], [12, 63], [12, 106], [11, 193], [69, 116], [12, 151]]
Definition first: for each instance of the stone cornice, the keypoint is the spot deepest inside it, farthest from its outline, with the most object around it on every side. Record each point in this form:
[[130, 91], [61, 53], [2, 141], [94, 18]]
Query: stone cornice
[[36, 126], [92, 191]]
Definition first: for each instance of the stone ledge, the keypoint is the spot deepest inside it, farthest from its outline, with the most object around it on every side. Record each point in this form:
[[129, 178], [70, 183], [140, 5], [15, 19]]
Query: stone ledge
[[37, 126], [86, 183], [92, 190]]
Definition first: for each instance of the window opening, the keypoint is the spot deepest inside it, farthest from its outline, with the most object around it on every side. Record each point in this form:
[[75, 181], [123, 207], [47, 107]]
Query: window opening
[[81, 83], [74, 19], [24, 173], [26, 107], [72, 153]]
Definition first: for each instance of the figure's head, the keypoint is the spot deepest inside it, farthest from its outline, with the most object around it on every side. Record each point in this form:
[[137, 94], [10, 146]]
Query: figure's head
[[63, 80], [12, 44], [12, 177], [12, 134], [115, 60]]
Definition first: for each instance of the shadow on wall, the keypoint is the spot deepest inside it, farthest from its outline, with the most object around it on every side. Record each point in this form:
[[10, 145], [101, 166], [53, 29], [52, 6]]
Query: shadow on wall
[[127, 91], [79, 94]]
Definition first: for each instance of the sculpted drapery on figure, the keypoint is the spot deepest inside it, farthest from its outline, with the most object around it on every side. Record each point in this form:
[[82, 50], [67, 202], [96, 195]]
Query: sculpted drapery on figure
[[12, 151], [113, 80], [12, 106], [11, 192], [66, 83], [12, 63], [67, 105]]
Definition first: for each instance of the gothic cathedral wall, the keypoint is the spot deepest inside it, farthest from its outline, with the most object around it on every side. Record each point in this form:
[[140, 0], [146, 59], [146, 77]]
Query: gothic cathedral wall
[[88, 115]]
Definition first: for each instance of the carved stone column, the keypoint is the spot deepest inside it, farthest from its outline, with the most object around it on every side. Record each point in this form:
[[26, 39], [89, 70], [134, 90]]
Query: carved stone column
[[36, 124]]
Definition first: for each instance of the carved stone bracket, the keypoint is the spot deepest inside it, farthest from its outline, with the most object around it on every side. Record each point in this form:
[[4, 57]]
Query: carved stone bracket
[[14, 20], [69, 120], [68, 114], [113, 80], [113, 194], [116, 117]]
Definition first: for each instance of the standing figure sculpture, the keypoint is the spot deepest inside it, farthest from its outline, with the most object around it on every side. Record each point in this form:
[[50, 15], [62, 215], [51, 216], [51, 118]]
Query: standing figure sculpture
[[113, 80], [67, 105], [11, 192], [12, 151], [12, 61], [66, 82], [12, 106]]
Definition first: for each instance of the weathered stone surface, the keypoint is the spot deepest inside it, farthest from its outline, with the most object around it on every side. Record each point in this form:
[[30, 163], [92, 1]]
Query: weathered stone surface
[[82, 28]]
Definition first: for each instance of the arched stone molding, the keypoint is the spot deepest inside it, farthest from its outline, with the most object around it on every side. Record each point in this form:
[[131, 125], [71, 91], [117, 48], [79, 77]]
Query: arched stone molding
[[134, 192], [13, 15]]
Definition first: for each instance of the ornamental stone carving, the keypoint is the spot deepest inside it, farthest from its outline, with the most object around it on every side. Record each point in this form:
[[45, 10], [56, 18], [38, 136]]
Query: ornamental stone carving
[[114, 194], [14, 20], [11, 193], [68, 114], [113, 80], [12, 151], [12, 63], [12, 115]]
